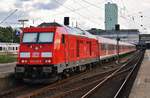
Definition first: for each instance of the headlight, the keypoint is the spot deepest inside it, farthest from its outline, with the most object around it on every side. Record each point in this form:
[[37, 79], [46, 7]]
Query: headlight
[[46, 54], [24, 54], [24, 61], [19, 69], [47, 61], [47, 69]]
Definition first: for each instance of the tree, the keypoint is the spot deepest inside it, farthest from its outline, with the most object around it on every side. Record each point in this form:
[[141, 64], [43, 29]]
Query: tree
[[8, 34]]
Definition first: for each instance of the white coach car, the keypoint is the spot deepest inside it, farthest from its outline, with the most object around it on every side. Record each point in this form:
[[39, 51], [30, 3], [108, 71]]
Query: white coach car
[[9, 48]]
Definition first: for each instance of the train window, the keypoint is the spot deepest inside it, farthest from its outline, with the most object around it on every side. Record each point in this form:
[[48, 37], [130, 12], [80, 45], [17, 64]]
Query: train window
[[112, 47], [3, 48], [29, 37], [90, 44], [0, 48], [109, 46], [63, 38], [9, 48], [45, 37], [103, 46]]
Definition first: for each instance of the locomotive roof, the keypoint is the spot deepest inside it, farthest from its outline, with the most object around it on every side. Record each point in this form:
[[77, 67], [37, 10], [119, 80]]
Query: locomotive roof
[[78, 31], [70, 30]]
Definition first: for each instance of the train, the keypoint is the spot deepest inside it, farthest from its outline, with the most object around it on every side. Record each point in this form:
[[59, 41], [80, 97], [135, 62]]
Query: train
[[9, 48], [50, 51]]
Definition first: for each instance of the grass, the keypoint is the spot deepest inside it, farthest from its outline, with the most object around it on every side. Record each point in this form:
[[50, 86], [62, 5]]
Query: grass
[[8, 58]]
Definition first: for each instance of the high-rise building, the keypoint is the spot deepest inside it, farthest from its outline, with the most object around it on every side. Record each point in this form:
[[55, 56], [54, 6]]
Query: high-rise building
[[111, 16]]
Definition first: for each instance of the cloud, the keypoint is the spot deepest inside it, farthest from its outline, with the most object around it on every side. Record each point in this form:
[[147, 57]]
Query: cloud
[[52, 4], [86, 14], [19, 3], [38, 4]]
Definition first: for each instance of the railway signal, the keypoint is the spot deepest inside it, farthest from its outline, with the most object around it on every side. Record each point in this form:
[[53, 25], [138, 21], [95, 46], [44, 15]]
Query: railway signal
[[117, 28], [66, 21]]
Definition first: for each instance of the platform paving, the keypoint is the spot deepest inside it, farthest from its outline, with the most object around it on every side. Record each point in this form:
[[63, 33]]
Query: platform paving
[[141, 86], [7, 69]]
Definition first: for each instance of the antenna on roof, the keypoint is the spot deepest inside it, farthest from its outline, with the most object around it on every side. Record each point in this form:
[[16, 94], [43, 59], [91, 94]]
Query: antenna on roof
[[72, 24], [76, 24]]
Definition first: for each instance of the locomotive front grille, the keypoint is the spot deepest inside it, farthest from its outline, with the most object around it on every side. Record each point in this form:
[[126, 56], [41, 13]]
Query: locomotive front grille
[[37, 71]]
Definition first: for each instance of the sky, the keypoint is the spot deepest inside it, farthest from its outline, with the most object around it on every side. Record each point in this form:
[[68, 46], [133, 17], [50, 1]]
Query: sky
[[133, 14]]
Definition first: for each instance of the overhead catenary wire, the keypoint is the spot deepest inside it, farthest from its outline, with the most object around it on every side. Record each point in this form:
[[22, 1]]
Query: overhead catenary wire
[[77, 9], [92, 5], [68, 8], [8, 16], [125, 15]]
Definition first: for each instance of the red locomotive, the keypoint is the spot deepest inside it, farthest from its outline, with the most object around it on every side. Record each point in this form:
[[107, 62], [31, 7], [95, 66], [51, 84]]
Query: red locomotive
[[50, 50]]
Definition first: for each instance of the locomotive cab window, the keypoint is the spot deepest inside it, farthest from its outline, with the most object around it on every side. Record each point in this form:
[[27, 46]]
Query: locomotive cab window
[[30, 37], [45, 37], [41, 37]]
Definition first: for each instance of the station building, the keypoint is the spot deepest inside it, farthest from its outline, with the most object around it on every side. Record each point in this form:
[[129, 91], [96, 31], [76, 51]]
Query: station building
[[125, 35], [144, 39]]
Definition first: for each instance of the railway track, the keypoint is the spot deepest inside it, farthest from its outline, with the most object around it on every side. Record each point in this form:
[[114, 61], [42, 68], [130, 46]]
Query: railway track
[[71, 83], [63, 84], [127, 72], [90, 86], [129, 79], [18, 90], [26, 88], [63, 87], [10, 91]]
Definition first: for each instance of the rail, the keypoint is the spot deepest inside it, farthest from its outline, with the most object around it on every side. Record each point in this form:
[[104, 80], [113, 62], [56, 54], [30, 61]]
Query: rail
[[132, 72], [93, 90]]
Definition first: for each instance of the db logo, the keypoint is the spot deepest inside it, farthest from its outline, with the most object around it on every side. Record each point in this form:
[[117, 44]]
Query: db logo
[[35, 54]]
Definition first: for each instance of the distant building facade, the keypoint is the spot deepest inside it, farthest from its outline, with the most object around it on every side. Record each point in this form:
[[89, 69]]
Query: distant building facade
[[145, 40], [111, 16], [129, 35]]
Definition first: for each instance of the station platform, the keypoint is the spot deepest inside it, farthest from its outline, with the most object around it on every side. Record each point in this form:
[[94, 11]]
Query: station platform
[[7, 69], [141, 86]]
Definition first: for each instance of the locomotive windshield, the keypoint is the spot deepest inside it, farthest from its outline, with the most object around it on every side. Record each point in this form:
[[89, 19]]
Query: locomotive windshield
[[38, 37], [30, 37], [45, 37]]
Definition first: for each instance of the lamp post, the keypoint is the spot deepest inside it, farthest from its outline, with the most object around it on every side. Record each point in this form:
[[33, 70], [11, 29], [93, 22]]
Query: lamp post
[[117, 28]]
